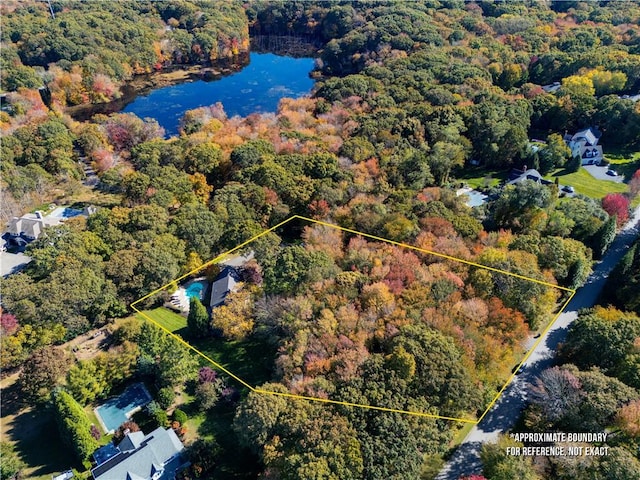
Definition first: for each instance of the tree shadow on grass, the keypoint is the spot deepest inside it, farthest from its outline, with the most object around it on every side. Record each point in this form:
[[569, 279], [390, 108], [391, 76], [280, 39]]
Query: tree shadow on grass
[[234, 462], [37, 440]]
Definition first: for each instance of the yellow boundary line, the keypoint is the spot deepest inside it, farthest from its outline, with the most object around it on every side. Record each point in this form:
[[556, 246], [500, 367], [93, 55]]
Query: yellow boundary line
[[338, 402]]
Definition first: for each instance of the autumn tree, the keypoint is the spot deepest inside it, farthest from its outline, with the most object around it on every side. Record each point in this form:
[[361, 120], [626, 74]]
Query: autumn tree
[[628, 419], [127, 427], [618, 205], [556, 392], [234, 318], [42, 372]]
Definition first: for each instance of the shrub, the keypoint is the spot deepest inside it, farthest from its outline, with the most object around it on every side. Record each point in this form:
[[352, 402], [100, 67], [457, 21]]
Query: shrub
[[165, 397], [179, 416]]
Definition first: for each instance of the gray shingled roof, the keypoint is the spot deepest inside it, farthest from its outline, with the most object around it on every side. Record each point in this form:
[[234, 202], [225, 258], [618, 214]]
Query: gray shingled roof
[[224, 283], [142, 456], [591, 136]]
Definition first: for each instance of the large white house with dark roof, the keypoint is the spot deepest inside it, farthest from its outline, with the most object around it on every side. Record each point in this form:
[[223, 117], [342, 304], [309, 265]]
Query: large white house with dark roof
[[156, 456], [584, 144]]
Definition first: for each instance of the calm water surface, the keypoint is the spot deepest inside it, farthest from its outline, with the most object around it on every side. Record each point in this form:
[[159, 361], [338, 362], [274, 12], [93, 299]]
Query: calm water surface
[[258, 87]]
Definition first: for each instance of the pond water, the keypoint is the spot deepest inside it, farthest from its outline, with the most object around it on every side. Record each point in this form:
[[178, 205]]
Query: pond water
[[258, 87]]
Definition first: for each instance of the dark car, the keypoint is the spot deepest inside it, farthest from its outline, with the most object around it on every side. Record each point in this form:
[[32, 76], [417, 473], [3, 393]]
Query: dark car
[[612, 173], [568, 189]]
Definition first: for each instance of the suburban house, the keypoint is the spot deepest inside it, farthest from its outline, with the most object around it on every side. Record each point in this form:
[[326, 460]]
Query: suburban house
[[584, 144], [155, 456], [226, 282], [517, 176], [552, 87], [30, 226]]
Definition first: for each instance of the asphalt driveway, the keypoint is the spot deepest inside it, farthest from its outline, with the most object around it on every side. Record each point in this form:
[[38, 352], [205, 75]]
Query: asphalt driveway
[[12, 262], [601, 173]]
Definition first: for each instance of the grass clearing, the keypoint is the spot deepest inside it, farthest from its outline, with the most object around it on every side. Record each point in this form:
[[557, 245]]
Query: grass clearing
[[481, 177], [585, 184], [172, 321], [34, 434], [624, 164], [249, 359]]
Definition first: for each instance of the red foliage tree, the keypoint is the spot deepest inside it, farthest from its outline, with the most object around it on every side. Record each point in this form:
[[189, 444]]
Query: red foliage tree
[[617, 204], [8, 324]]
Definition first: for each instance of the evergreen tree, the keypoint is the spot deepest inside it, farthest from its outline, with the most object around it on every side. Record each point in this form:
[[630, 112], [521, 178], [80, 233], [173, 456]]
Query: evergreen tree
[[605, 236], [73, 425], [198, 319]]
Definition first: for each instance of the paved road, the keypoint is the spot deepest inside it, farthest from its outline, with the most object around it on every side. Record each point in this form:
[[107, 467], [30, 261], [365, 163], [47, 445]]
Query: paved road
[[505, 413]]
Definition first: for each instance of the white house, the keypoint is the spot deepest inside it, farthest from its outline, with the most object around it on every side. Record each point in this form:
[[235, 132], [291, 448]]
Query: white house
[[156, 456], [584, 144]]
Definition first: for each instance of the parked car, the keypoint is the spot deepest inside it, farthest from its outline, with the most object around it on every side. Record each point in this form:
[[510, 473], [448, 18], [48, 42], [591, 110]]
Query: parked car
[[612, 173], [568, 189]]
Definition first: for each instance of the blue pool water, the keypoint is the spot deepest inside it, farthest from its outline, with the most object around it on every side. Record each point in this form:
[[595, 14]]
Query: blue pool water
[[195, 290], [114, 412], [65, 212], [258, 87]]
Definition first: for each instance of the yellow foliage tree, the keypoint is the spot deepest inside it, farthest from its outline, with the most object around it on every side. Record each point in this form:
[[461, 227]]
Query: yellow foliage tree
[[578, 85], [234, 318]]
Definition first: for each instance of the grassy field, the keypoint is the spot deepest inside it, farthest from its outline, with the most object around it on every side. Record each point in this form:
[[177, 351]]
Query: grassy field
[[172, 321], [625, 165], [587, 185], [480, 177], [250, 359], [34, 434]]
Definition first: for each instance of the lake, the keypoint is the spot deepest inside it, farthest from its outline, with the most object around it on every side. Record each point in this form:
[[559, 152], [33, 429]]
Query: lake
[[258, 87]]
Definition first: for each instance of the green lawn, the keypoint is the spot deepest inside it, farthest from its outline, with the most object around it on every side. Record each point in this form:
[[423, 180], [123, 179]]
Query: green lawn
[[624, 164], [587, 185], [172, 321], [250, 359], [481, 177]]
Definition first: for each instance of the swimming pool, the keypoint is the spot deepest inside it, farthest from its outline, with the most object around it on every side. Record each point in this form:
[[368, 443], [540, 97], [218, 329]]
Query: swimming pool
[[115, 411], [195, 289], [65, 212]]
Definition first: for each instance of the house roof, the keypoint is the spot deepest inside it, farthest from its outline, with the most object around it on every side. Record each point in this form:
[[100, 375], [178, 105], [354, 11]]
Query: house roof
[[224, 283], [31, 224], [590, 135], [517, 176], [140, 456]]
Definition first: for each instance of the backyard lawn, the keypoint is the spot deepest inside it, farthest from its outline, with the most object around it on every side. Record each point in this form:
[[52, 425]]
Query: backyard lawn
[[170, 320], [481, 177], [587, 185], [250, 359], [625, 165], [34, 434]]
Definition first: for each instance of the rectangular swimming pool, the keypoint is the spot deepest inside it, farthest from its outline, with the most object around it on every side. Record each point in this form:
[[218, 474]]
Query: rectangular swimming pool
[[115, 411]]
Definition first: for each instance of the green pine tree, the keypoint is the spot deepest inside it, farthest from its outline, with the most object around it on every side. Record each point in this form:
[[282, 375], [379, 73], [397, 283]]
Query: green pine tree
[[198, 319]]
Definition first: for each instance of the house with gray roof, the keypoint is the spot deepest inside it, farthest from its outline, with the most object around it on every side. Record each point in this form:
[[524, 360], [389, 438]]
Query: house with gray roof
[[517, 176], [155, 456], [226, 282], [584, 144], [31, 225]]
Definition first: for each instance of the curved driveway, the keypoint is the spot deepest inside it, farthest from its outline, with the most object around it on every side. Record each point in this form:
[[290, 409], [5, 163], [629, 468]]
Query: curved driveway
[[506, 411]]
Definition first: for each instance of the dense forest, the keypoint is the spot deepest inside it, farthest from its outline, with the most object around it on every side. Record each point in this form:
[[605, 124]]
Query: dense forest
[[596, 388], [408, 95]]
